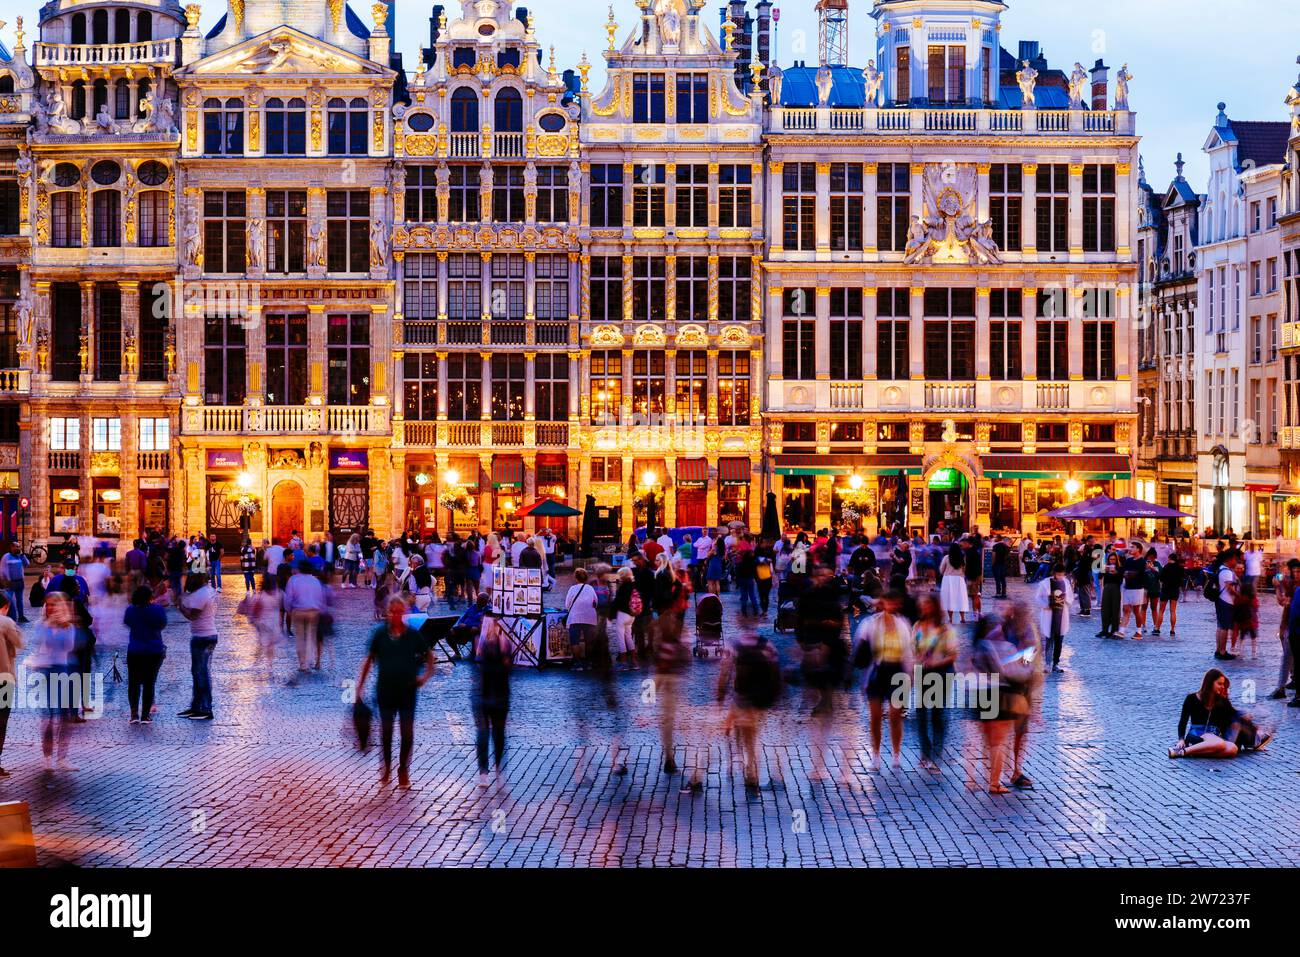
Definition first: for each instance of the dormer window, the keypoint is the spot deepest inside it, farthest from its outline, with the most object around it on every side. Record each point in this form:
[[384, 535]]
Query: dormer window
[[463, 57], [647, 98], [947, 74], [508, 58]]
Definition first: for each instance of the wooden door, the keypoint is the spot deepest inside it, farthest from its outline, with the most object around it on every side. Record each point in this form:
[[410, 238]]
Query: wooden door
[[286, 511]]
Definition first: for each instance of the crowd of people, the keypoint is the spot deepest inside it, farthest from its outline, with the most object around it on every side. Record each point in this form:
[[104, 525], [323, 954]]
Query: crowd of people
[[881, 611]]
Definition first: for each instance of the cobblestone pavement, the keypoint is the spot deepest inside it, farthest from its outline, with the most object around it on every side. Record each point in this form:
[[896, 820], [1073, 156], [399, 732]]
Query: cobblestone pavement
[[275, 779]]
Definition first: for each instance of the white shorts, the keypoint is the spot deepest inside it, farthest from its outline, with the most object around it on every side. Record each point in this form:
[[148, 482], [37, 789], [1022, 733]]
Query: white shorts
[[620, 634], [1135, 596]]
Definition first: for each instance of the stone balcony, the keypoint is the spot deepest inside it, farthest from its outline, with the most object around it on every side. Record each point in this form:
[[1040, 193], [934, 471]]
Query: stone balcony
[[485, 435], [918, 395], [15, 382], [957, 120], [139, 53], [344, 420]]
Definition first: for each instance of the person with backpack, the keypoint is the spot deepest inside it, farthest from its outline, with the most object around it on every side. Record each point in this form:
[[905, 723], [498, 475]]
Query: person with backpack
[[752, 671], [626, 607], [885, 648]]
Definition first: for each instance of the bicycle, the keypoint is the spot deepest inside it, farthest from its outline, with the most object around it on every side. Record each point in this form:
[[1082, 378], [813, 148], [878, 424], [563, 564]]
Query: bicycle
[[37, 554]]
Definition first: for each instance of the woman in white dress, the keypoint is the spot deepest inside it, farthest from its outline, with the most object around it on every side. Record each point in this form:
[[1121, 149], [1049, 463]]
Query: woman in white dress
[[952, 588]]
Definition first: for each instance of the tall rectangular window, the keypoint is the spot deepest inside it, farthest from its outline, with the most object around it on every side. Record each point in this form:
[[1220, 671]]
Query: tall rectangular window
[[735, 196], [508, 296], [464, 202], [846, 196], [799, 206], [347, 353], [65, 434], [692, 202], [286, 127], [903, 74], [846, 328], [1004, 334], [421, 197], [893, 206], [155, 434], [893, 354], [551, 287], [464, 387], [465, 288], [106, 205], [508, 383], [799, 335], [507, 194], [1098, 208], [1052, 332], [649, 382], [106, 434], [692, 382], [735, 275], [65, 334], [224, 236], [420, 386], [733, 387], [223, 127], [155, 298], [153, 218], [1006, 204], [1053, 208], [947, 73], [108, 332], [347, 226], [1098, 350], [65, 216], [225, 361], [349, 126], [606, 289], [552, 194], [606, 195], [420, 286], [286, 359], [606, 386], [692, 289], [286, 228], [949, 334], [551, 387], [649, 195], [648, 98], [692, 98], [649, 289]]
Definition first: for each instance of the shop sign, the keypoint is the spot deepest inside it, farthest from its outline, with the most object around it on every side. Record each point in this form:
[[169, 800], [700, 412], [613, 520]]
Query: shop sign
[[349, 460], [225, 459], [153, 483]]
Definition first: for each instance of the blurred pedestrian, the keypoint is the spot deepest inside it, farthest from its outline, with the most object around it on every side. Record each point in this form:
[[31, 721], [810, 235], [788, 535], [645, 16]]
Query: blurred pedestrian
[[936, 654], [752, 670], [56, 638], [248, 565], [884, 646], [1025, 679], [991, 653], [396, 653], [304, 601], [199, 606], [490, 698], [11, 642]]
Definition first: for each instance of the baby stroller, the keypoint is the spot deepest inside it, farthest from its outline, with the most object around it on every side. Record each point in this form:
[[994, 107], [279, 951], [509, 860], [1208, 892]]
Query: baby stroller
[[787, 598], [708, 626]]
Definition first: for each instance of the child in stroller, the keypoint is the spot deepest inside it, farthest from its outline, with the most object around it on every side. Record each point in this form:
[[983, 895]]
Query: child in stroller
[[708, 625]]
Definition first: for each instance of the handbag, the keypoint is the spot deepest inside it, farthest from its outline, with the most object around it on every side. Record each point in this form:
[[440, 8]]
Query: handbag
[[362, 716]]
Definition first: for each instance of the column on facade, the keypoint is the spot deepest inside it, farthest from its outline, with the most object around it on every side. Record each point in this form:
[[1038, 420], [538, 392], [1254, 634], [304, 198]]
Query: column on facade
[[577, 386], [485, 488], [629, 179], [823, 220], [670, 194], [711, 493], [485, 296], [627, 504], [530, 293], [1124, 210], [626, 403], [130, 290], [916, 332], [530, 479], [627, 286], [870, 214], [442, 386], [485, 412], [775, 310], [530, 382], [714, 194], [917, 188], [670, 386], [385, 361], [255, 355], [1074, 307], [982, 191], [982, 334], [712, 385], [315, 352], [128, 481], [1123, 331], [1029, 333], [1029, 208], [775, 187], [1076, 209], [870, 314], [89, 325], [670, 287], [443, 295], [712, 284], [822, 332]]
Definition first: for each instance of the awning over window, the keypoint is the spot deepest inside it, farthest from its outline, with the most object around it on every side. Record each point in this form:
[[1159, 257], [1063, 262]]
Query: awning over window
[[692, 470], [1096, 467], [885, 464], [733, 471], [507, 472]]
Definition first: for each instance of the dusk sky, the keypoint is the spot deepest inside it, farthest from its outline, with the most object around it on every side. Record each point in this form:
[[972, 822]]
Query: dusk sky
[[1185, 55]]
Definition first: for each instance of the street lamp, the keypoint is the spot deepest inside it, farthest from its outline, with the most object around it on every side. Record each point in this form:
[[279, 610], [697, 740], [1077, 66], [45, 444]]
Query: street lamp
[[649, 479], [855, 482], [1072, 487], [244, 481]]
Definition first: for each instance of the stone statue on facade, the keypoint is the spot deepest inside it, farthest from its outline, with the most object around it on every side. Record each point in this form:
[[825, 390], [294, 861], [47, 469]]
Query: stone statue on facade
[[1028, 80], [775, 77], [104, 122], [1078, 87], [256, 243], [23, 314], [56, 113], [874, 81], [24, 167], [983, 249], [668, 21], [378, 243], [825, 82], [316, 245], [922, 241], [1122, 79], [193, 242]]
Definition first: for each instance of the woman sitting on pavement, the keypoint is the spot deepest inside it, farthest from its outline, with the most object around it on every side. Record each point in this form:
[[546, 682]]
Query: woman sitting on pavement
[[1210, 727]]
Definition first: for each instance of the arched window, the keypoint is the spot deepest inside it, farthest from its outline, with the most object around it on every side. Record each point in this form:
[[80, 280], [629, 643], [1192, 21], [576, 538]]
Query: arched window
[[144, 26], [78, 109], [122, 99], [348, 126], [122, 26], [99, 26], [286, 127], [78, 28], [509, 112], [101, 97], [464, 111]]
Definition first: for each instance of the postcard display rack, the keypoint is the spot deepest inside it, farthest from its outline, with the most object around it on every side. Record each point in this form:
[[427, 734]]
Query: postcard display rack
[[536, 635]]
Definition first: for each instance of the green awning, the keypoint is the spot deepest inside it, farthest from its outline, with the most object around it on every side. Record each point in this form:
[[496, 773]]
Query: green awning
[[838, 470], [1083, 476]]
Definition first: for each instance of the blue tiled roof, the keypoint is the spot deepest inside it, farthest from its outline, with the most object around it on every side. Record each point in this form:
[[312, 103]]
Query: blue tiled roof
[[1047, 98], [799, 86], [355, 26], [216, 31]]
